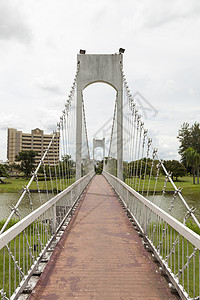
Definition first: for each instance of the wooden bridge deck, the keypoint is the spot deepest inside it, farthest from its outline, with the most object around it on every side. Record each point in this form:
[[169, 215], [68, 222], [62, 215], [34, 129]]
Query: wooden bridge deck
[[100, 255]]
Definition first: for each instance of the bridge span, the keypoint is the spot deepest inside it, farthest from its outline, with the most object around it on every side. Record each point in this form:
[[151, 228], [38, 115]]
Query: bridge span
[[100, 255]]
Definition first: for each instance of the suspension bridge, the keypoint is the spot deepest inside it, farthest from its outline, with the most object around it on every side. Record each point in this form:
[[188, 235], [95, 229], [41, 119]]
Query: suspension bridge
[[100, 236]]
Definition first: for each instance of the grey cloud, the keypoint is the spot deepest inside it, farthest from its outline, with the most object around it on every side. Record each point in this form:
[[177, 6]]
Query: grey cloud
[[48, 84], [53, 88], [49, 128], [167, 13], [10, 120], [12, 23], [48, 119]]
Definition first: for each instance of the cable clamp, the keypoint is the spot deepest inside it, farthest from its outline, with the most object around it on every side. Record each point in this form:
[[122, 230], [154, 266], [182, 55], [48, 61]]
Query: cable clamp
[[188, 214], [16, 211]]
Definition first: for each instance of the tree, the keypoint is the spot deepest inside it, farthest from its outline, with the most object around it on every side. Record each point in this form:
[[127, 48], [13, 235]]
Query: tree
[[195, 135], [99, 167], [176, 168], [13, 167], [68, 164], [3, 172], [185, 139], [27, 159], [189, 137], [143, 164], [192, 160]]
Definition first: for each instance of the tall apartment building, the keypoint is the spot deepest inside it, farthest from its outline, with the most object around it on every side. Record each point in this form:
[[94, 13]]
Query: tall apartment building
[[36, 141]]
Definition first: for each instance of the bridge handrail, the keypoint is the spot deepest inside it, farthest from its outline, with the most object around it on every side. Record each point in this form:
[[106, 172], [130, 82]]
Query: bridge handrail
[[10, 234], [174, 246], [23, 245], [186, 232], [29, 184]]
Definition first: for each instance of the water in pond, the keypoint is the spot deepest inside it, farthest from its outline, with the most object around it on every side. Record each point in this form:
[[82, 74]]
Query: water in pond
[[7, 199], [164, 202], [178, 210]]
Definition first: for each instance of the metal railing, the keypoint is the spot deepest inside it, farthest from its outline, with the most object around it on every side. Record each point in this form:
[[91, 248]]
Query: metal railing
[[23, 245], [173, 245]]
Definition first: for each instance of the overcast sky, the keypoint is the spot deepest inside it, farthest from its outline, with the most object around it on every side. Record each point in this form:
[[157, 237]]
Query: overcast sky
[[39, 41]]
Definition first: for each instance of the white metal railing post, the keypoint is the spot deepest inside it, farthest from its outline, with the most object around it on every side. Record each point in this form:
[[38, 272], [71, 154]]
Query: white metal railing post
[[71, 197], [127, 198], [145, 219], [54, 218]]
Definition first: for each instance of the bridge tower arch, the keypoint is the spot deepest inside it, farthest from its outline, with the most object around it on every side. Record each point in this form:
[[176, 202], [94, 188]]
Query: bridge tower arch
[[101, 144], [100, 68]]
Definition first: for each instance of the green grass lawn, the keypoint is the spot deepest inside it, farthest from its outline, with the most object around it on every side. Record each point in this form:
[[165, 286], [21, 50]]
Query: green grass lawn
[[14, 185], [189, 189]]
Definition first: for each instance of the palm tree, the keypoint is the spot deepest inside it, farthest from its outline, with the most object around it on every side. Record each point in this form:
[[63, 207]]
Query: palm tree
[[193, 161]]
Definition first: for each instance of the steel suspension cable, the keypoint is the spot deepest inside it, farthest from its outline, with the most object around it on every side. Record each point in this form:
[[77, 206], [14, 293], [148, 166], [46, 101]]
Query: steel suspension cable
[[190, 211], [138, 154], [142, 158]]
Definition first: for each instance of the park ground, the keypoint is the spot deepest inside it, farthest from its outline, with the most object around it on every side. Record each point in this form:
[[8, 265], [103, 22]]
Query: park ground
[[14, 185]]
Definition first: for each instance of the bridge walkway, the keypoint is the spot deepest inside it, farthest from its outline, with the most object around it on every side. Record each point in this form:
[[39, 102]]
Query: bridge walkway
[[100, 255]]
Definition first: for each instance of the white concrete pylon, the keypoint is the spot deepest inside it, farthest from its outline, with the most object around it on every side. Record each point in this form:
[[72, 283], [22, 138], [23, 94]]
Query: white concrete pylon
[[100, 68], [101, 144]]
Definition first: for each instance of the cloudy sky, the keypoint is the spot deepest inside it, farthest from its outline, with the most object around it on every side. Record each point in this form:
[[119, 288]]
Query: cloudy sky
[[39, 41]]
